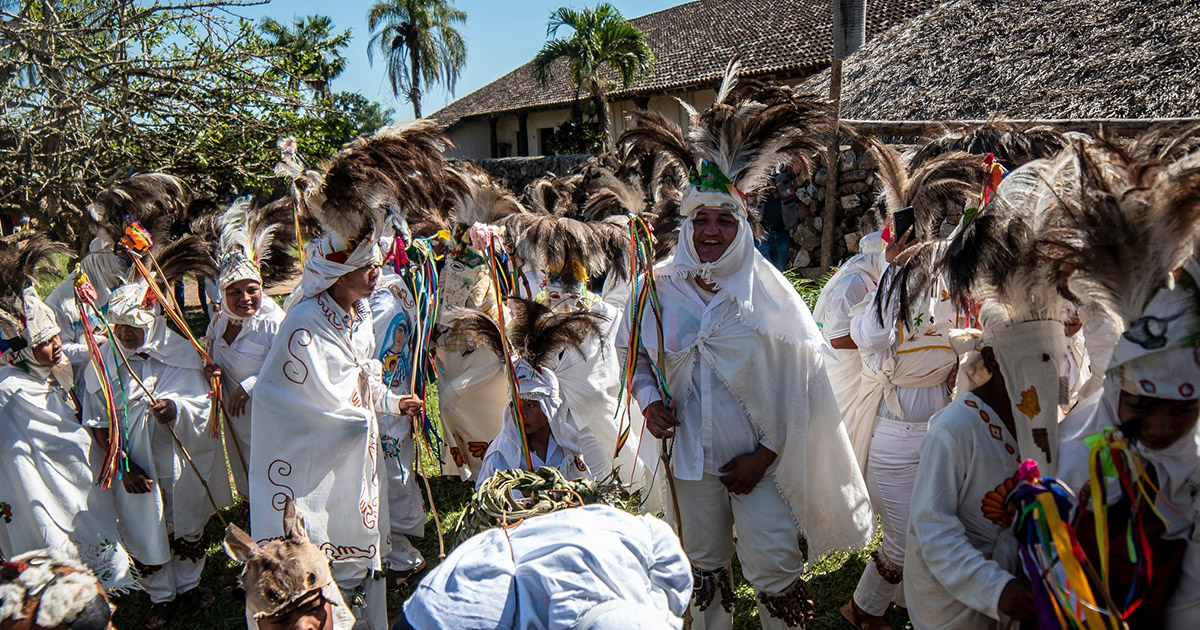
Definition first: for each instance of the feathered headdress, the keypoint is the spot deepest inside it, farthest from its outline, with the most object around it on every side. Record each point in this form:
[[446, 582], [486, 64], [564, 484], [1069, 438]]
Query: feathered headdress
[[375, 183], [734, 145], [1010, 144], [480, 199], [575, 250], [24, 320], [552, 195], [535, 333], [151, 200], [255, 243], [942, 181]]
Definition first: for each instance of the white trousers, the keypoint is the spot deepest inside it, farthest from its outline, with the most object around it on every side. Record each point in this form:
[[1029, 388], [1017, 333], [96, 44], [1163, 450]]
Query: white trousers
[[365, 594], [177, 576], [768, 541], [405, 508], [891, 472]]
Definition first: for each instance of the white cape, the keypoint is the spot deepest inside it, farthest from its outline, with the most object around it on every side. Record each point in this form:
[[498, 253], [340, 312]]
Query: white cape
[[46, 480]]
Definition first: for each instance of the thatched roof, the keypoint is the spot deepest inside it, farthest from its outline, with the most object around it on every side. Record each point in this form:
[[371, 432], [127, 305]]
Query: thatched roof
[[975, 59], [692, 44]]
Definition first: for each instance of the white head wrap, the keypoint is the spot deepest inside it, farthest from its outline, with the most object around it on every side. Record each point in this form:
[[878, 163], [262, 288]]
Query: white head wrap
[[1159, 355], [37, 326], [766, 301], [326, 263], [695, 198], [128, 306]]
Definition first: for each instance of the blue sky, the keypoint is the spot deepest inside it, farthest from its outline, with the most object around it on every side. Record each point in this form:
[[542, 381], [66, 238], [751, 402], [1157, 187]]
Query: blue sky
[[501, 35]]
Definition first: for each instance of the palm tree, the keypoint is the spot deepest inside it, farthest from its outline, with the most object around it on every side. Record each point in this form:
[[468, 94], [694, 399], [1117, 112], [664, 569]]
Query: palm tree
[[420, 42], [602, 38], [312, 52]]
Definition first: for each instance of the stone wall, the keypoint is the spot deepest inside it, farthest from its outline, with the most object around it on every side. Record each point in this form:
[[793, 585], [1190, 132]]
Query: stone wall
[[857, 189], [516, 173]]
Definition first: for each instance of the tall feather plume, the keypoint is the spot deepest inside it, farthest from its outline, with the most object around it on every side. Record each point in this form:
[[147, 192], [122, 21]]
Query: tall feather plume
[[552, 195], [274, 235], [535, 332], [941, 180], [1004, 255], [377, 181], [1011, 144], [481, 199], [1135, 220], [154, 200], [23, 262], [184, 256], [552, 243], [753, 129]]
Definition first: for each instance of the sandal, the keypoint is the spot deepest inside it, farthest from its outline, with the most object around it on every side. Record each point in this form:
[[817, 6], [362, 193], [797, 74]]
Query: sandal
[[198, 598], [861, 620], [158, 616], [396, 579]]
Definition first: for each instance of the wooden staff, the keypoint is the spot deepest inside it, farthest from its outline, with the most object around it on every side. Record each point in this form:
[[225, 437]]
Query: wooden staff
[[229, 424], [174, 436]]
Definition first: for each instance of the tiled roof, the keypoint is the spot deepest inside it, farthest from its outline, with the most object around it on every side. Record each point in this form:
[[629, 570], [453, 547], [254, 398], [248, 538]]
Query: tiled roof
[[692, 44]]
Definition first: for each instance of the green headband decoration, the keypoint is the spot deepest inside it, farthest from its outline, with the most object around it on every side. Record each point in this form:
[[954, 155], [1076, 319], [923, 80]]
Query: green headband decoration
[[711, 178]]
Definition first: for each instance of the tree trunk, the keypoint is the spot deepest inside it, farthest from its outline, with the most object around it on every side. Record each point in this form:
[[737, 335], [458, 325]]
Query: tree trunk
[[414, 93], [601, 116]]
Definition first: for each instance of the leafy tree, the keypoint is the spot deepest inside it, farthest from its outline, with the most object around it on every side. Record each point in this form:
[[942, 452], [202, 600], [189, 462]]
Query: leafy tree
[[311, 52], [420, 42], [93, 89], [602, 39]]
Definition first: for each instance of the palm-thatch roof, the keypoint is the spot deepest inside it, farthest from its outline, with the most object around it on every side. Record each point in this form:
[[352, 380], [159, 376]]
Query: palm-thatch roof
[[1044, 59], [692, 43]]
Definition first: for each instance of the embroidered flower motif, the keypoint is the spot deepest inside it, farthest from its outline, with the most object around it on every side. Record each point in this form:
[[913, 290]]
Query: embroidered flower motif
[[457, 455], [478, 449], [993, 502], [1029, 403], [391, 446], [5, 512]]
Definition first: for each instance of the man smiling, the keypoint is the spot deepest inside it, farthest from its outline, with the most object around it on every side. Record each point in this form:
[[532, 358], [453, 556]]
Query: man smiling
[[754, 413]]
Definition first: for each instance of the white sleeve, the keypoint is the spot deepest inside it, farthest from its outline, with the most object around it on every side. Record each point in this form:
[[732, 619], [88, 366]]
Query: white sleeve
[[962, 569], [865, 329]]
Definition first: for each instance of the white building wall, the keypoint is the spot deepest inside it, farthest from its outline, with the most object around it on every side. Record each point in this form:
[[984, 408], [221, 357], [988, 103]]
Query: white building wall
[[473, 139]]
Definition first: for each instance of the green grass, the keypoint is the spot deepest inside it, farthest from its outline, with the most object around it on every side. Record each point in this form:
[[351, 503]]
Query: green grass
[[831, 581]]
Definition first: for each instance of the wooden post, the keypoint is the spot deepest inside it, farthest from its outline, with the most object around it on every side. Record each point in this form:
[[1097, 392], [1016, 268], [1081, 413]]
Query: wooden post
[[832, 160]]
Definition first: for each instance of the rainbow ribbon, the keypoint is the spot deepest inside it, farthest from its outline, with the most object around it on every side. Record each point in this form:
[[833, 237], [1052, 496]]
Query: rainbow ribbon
[[116, 459], [1053, 557], [643, 290], [1110, 458], [422, 281], [137, 239], [496, 269]]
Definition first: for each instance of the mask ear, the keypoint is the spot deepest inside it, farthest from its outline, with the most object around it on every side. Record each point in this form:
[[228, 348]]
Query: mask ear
[[239, 545], [293, 523]]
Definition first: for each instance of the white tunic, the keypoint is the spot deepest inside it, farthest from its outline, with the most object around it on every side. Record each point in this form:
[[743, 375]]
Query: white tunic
[[48, 495], [960, 554], [316, 437], [504, 453], [240, 363], [172, 370], [590, 380], [931, 318], [714, 426], [548, 572]]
